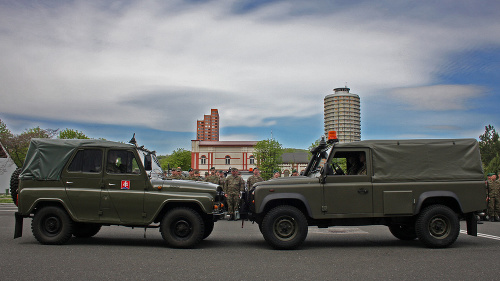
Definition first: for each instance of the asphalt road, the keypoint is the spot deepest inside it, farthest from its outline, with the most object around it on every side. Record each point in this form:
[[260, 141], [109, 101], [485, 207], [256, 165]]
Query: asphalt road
[[235, 253]]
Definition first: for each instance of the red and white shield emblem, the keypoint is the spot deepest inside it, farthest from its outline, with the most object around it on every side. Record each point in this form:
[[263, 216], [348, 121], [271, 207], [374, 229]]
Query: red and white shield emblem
[[125, 184]]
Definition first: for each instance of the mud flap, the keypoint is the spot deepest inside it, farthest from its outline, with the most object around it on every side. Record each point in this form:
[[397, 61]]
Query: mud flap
[[471, 220], [18, 232]]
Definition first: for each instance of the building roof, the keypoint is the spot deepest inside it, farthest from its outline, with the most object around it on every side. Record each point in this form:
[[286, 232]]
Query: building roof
[[228, 143], [295, 157]]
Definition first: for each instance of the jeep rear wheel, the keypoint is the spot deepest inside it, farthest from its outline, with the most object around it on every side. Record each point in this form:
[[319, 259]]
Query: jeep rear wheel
[[284, 227], [52, 226], [403, 232], [182, 228], [437, 226], [14, 184], [85, 230]]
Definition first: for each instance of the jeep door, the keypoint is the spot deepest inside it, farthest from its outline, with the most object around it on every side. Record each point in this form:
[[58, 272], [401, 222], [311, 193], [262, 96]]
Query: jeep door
[[82, 178], [124, 184], [349, 194]]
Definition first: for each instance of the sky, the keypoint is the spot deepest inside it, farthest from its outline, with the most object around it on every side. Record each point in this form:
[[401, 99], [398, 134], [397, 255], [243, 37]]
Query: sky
[[423, 69]]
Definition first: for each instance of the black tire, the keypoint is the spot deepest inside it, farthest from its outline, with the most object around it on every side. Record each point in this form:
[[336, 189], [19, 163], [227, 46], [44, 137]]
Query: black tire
[[437, 226], [284, 227], [403, 232], [182, 228], [52, 226], [209, 227], [85, 230], [14, 184]]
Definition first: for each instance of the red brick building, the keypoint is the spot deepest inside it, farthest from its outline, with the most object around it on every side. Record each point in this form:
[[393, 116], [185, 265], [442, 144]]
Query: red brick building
[[208, 128]]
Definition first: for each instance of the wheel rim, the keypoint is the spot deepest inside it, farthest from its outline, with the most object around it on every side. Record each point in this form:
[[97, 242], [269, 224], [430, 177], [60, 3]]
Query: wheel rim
[[182, 228], [285, 228], [52, 226], [439, 227]]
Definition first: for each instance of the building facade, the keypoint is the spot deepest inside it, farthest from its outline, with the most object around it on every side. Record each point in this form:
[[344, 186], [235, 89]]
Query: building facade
[[342, 114], [208, 128], [223, 155]]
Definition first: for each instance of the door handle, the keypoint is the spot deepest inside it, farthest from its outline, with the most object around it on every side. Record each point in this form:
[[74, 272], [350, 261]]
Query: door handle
[[111, 184], [362, 191], [69, 182]]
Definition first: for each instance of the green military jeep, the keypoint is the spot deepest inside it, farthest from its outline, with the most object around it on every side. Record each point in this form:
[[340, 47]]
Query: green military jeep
[[73, 187], [418, 188]]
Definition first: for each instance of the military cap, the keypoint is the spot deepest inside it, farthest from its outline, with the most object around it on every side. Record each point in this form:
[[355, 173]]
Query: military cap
[[179, 170], [256, 168], [294, 171], [491, 174], [213, 168], [190, 169], [234, 169]]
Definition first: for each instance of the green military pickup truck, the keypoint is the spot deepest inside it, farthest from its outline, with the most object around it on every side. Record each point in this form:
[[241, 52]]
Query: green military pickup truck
[[418, 188], [73, 187]]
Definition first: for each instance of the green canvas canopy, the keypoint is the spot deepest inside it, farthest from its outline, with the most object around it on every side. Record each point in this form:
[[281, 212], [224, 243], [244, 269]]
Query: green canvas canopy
[[46, 157], [423, 160]]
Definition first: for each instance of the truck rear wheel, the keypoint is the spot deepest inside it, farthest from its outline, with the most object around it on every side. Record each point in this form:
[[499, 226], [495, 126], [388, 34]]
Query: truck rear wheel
[[52, 226], [437, 226], [182, 228], [284, 227]]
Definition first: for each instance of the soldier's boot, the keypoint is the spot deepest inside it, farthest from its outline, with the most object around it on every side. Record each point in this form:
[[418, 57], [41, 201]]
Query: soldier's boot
[[497, 218]]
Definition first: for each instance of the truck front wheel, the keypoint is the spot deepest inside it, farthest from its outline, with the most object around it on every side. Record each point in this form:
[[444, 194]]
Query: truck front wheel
[[182, 228], [437, 226], [52, 225], [284, 227]]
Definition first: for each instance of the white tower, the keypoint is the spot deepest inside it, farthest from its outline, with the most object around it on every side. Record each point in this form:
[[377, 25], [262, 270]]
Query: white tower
[[342, 114]]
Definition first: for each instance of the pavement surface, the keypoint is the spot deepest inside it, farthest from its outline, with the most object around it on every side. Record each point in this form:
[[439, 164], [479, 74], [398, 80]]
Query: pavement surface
[[235, 253]]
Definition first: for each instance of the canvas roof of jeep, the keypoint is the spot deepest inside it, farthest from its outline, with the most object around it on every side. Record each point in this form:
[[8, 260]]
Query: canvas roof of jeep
[[423, 160], [46, 158]]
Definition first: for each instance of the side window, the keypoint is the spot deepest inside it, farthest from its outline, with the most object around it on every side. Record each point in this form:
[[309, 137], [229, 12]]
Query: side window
[[87, 161], [349, 163], [122, 162]]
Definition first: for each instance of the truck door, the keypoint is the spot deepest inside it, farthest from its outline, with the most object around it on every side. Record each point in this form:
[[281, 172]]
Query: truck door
[[348, 189], [82, 178], [124, 187]]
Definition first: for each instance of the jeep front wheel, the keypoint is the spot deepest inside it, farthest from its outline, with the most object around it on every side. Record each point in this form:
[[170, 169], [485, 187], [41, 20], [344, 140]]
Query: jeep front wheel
[[437, 226], [182, 228], [284, 227], [52, 226]]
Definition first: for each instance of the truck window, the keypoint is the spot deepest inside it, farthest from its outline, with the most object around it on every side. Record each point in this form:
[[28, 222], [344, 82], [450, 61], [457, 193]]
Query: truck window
[[122, 162], [87, 161], [351, 162]]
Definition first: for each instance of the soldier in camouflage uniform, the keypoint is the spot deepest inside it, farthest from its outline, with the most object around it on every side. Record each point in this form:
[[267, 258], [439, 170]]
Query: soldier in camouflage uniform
[[222, 178], [494, 198], [254, 178], [197, 176], [213, 178], [191, 176], [177, 175], [233, 186]]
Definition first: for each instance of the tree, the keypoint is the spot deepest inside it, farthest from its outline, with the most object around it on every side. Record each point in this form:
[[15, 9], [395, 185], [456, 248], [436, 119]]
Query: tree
[[17, 145], [268, 154], [179, 158], [71, 134], [489, 145]]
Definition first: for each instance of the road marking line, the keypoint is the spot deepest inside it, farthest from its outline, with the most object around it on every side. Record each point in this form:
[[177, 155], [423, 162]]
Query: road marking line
[[483, 235]]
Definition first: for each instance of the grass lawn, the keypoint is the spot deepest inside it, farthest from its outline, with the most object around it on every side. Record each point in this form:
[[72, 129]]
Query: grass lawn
[[5, 199]]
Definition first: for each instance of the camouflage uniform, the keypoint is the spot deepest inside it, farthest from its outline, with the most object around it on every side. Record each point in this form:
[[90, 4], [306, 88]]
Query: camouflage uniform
[[253, 179], [232, 187], [213, 179], [494, 202]]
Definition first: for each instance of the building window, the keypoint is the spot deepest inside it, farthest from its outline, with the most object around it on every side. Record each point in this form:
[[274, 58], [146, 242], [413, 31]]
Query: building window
[[252, 160], [228, 160], [203, 160]]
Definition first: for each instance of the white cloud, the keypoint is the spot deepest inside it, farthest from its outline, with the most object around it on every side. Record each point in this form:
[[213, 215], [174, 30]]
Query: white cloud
[[163, 64], [438, 97]]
